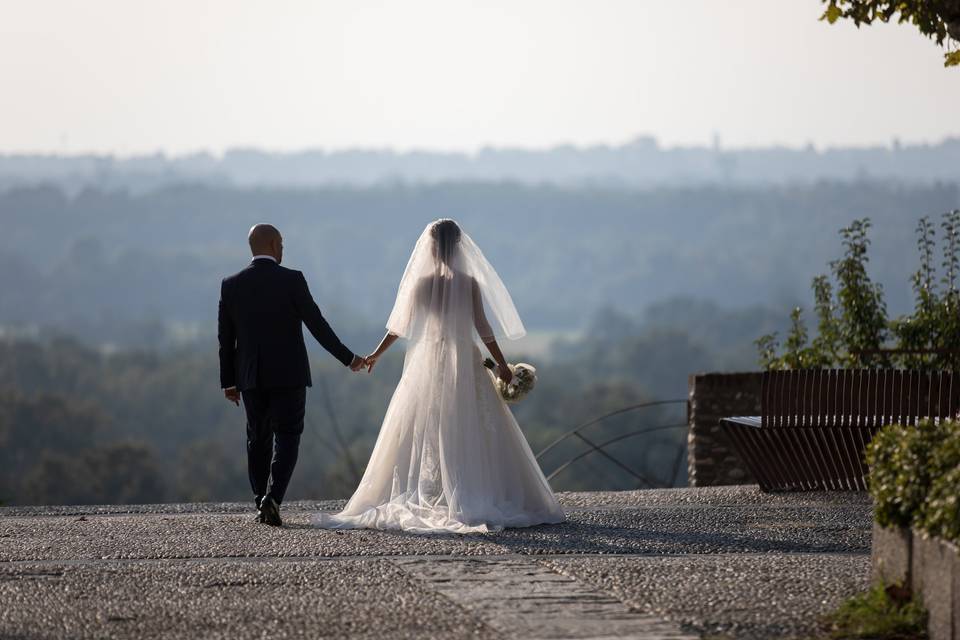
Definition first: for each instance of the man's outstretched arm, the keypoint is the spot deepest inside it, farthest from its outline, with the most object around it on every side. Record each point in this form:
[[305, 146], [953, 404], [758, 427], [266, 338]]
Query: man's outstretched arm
[[318, 326]]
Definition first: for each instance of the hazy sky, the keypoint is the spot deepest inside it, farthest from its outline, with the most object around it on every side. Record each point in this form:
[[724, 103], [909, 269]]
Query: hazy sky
[[129, 76]]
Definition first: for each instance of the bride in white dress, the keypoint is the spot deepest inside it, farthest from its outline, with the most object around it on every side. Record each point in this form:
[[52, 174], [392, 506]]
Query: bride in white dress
[[450, 456]]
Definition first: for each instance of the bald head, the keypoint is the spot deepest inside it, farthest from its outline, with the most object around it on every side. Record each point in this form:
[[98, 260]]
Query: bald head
[[265, 240]]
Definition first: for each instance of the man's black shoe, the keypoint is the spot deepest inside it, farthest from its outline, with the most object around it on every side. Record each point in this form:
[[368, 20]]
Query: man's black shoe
[[270, 512]]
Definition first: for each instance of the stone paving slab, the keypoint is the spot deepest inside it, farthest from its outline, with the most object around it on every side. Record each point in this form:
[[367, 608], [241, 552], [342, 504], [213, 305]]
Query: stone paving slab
[[745, 596], [522, 598], [232, 599]]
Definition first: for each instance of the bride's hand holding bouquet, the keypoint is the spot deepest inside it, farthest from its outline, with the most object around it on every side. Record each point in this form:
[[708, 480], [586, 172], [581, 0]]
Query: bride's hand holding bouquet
[[514, 382]]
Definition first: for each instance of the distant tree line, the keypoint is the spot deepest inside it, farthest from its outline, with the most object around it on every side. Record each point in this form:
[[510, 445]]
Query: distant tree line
[[639, 163], [81, 425], [143, 270]]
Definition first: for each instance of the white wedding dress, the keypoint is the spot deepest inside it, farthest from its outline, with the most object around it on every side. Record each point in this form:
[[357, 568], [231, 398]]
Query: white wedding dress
[[450, 456]]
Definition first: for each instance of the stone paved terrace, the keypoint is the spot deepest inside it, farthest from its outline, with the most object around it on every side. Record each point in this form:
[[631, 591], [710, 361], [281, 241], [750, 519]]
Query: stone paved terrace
[[675, 563]]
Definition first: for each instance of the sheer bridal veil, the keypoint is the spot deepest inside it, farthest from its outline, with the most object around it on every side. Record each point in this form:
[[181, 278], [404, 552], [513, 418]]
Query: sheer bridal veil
[[442, 286]]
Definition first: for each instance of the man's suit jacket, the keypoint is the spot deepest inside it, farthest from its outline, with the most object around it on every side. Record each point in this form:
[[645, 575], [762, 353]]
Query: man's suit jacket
[[262, 310]]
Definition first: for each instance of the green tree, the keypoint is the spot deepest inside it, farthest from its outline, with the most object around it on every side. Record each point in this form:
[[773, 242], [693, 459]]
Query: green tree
[[120, 473], [207, 470], [934, 325], [936, 19], [918, 331], [853, 329], [827, 345], [863, 314], [31, 424]]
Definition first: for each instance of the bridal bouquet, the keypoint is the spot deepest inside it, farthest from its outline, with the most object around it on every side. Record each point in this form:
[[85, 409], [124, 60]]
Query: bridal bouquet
[[524, 379]]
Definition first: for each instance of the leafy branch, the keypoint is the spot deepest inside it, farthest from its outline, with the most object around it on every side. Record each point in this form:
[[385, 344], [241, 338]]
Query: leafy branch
[[936, 19]]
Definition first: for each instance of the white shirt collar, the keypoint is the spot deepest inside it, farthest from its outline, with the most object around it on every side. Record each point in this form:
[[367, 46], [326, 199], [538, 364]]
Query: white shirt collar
[[265, 256]]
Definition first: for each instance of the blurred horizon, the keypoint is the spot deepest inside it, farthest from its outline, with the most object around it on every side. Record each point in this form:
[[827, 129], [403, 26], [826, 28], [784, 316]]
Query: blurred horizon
[[641, 163], [715, 141]]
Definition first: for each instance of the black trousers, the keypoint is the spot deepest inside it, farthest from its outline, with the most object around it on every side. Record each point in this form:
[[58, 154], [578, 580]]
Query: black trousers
[[274, 426]]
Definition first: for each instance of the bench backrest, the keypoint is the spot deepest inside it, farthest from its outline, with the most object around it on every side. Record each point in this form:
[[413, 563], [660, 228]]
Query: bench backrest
[[856, 397]]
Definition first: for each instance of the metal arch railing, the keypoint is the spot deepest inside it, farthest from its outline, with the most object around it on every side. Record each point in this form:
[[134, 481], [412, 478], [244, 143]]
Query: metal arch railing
[[598, 448]]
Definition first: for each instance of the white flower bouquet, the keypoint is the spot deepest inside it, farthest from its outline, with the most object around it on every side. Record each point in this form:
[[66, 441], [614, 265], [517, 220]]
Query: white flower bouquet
[[524, 379]]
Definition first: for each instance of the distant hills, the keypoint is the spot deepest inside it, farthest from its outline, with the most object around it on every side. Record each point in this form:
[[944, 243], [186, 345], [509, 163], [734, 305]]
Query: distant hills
[[641, 163], [136, 268]]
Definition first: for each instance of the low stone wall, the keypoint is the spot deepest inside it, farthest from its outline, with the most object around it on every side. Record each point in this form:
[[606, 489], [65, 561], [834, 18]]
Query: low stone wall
[[929, 566], [711, 458], [891, 555]]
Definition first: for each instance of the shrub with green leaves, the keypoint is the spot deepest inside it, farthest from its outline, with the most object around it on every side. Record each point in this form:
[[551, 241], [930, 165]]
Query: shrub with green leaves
[[940, 513], [900, 458]]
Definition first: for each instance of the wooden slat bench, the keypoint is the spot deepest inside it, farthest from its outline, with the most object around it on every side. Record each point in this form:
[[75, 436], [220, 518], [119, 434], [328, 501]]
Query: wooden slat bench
[[814, 424]]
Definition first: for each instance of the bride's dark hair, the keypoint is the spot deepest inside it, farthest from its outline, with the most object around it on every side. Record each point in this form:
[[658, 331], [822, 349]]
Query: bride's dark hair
[[446, 236]]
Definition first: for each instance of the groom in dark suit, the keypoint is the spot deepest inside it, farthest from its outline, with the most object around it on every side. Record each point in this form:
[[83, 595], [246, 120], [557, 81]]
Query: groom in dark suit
[[263, 360]]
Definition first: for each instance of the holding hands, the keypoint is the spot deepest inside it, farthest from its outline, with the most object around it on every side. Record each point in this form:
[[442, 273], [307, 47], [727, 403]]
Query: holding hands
[[371, 360], [358, 363]]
